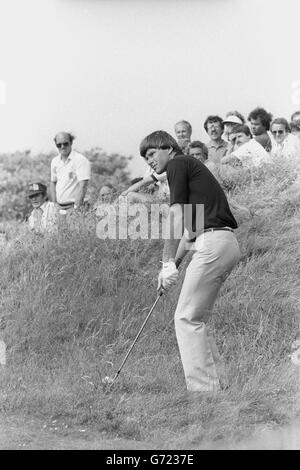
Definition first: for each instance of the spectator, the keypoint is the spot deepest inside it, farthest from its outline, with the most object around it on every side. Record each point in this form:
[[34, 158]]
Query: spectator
[[284, 143], [246, 150], [44, 216], [295, 129], [260, 120], [70, 174], [106, 191], [232, 119], [198, 150], [105, 195], [217, 147], [295, 124], [183, 132], [295, 117]]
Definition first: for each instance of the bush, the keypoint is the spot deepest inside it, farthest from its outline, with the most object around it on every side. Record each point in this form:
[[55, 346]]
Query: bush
[[20, 169]]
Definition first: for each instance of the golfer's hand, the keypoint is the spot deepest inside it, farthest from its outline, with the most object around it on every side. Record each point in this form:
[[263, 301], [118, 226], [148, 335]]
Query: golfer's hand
[[167, 276]]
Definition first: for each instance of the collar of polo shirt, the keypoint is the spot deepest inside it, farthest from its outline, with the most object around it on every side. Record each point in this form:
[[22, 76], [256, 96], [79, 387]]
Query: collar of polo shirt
[[69, 157], [213, 144]]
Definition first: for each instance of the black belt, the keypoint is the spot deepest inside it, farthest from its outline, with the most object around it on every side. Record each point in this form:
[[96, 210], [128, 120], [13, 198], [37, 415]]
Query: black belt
[[66, 206], [214, 229]]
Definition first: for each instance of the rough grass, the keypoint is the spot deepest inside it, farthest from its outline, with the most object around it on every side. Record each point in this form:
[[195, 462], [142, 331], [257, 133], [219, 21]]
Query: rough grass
[[72, 306]]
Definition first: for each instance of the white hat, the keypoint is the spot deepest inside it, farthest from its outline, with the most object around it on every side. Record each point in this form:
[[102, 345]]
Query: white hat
[[232, 119]]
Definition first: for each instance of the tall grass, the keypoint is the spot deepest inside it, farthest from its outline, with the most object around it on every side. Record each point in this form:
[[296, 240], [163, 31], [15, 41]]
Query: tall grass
[[72, 305]]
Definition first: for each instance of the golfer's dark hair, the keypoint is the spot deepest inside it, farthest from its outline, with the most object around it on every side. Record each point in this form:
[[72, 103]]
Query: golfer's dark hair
[[294, 114], [264, 116], [70, 136], [186, 123], [242, 128], [158, 140], [237, 114], [197, 144], [282, 121], [211, 119]]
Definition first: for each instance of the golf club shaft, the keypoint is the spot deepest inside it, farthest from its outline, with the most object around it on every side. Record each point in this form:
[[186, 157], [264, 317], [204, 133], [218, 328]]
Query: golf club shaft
[[137, 336]]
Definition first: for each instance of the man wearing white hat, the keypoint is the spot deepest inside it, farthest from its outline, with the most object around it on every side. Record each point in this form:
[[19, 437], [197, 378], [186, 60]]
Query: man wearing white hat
[[232, 119]]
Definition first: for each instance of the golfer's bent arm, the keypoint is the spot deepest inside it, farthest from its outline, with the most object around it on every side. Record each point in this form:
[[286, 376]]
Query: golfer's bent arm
[[137, 186], [175, 222]]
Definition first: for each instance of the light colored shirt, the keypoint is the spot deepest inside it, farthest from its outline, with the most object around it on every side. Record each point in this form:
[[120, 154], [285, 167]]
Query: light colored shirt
[[216, 151], [44, 219], [67, 175], [289, 148], [264, 140], [251, 154]]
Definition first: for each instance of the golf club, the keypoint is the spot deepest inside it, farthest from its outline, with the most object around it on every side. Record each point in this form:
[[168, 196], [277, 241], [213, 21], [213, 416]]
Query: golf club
[[109, 380]]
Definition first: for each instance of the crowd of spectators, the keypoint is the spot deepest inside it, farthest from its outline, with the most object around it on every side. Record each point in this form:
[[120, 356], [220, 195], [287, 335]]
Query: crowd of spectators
[[232, 143]]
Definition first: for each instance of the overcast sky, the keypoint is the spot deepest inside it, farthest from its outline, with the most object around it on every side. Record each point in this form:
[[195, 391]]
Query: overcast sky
[[112, 71]]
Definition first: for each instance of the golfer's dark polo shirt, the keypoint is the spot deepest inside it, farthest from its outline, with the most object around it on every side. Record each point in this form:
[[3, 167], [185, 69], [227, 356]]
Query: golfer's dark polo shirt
[[216, 151], [191, 182]]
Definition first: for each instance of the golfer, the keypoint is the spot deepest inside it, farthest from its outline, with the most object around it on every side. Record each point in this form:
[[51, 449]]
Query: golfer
[[216, 252]]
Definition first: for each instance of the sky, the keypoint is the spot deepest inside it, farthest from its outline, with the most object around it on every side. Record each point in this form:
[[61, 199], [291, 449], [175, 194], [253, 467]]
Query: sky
[[112, 71]]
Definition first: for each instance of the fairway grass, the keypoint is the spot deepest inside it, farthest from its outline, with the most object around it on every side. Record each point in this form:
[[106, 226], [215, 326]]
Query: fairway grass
[[71, 307]]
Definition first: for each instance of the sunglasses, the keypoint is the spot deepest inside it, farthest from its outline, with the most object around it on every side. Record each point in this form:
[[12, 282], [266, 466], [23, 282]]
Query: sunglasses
[[63, 144]]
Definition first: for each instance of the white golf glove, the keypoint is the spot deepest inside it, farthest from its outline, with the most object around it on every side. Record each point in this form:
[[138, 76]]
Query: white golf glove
[[168, 275]]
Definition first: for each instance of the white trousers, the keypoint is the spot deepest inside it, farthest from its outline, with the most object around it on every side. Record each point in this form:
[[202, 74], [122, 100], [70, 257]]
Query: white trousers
[[216, 255]]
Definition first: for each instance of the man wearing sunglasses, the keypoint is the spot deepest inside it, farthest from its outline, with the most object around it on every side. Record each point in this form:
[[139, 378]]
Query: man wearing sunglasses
[[284, 143], [70, 174]]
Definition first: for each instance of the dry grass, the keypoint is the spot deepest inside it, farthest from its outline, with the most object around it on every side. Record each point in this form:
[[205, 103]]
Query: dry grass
[[73, 305]]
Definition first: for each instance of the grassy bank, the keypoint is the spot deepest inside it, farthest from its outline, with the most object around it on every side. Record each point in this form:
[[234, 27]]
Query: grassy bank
[[72, 305]]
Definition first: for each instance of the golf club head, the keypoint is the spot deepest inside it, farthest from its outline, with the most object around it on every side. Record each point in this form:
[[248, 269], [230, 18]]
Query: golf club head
[[107, 380]]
